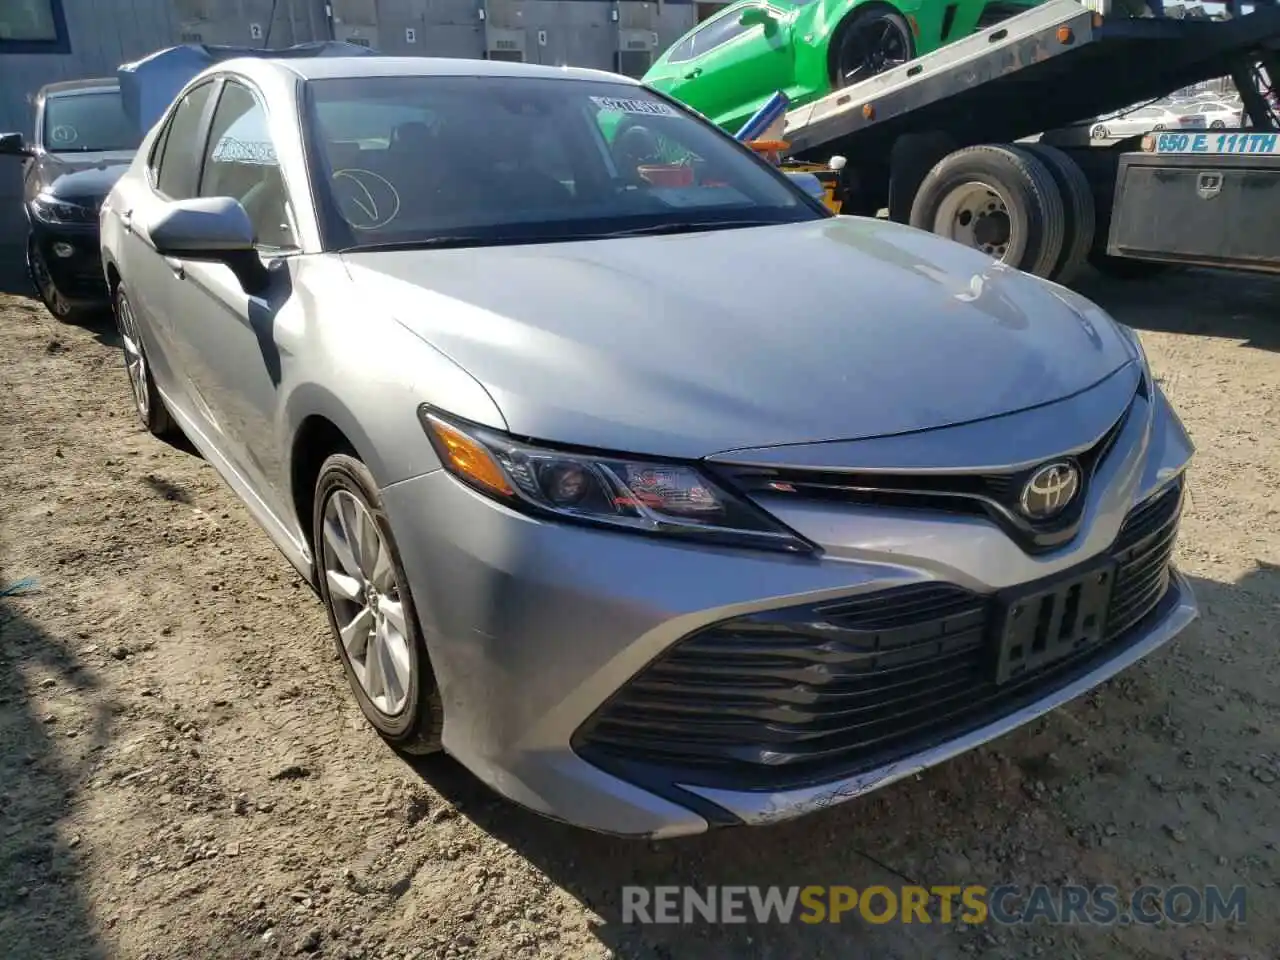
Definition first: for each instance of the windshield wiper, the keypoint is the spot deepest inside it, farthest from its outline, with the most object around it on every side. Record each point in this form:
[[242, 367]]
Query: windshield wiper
[[429, 243], [683, 226], [475, 240]]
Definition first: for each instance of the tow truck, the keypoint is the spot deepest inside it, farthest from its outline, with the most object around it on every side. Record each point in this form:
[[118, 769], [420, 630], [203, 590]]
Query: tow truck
[[943, 143]]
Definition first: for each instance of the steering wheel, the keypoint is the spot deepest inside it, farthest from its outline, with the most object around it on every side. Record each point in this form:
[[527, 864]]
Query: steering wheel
[[366, 200]]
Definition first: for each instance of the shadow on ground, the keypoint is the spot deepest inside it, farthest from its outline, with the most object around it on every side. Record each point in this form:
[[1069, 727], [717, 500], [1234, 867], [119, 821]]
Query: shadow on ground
[[870, 840], [1246, 306], [42, 899]]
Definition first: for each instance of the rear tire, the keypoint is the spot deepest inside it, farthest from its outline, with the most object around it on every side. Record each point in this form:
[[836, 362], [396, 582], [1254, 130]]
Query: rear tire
[[1000, 200], [360, 575], [1079, 216]]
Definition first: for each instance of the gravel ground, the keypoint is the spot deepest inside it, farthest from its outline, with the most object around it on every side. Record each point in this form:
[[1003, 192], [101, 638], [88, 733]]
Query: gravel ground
[[182, 772]]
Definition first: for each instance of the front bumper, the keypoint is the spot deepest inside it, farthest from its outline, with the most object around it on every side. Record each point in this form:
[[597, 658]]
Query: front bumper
[[72, 255], [534, 627]]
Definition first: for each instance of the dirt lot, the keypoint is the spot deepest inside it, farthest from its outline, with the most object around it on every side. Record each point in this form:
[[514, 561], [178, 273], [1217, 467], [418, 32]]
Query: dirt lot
[[182, 772]]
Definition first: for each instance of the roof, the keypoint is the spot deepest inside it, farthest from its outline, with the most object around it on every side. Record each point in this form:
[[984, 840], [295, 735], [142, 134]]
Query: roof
[[323, 68], [93, 85]]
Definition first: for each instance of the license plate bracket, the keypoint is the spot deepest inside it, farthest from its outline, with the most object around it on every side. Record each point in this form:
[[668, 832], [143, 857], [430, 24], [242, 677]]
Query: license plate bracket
[[1046, 623]]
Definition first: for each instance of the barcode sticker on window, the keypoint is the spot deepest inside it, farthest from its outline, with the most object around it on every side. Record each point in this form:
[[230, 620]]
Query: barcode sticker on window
[[645, 108]]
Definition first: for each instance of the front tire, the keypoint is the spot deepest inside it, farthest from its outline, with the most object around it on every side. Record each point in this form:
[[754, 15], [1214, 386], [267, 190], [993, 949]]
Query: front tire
[[1101, 133], [870, 41], [41, 278], [147, 402], [1218, 125], [371, 614]]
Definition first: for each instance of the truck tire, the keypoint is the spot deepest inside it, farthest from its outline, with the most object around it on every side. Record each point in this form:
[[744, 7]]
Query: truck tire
[[1001, 200], [1077, 205]]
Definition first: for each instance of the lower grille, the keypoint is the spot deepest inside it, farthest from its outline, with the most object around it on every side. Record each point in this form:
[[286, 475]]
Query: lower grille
[[77, 276], [810, 694]]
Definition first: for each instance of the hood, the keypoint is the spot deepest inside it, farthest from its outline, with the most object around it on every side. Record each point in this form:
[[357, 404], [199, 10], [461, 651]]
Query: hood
[[692, 344], [79, 177]]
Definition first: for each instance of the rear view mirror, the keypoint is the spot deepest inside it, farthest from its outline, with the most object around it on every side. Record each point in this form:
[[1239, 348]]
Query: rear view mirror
[[13, 145], [214, 229], [758, 16]]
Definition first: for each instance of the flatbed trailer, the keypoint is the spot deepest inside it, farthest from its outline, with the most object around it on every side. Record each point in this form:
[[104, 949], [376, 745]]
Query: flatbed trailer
[[936, 143]]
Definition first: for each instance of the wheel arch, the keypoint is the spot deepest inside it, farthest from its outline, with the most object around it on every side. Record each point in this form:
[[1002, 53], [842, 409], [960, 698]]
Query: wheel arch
[[322, 426], [113, 277]]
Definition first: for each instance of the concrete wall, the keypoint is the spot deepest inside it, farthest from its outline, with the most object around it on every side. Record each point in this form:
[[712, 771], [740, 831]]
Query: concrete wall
[[105, 33]]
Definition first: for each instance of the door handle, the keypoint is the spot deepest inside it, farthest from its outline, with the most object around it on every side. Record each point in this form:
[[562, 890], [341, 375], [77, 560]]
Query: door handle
[[177, 266], [693, 74], [126, 220]]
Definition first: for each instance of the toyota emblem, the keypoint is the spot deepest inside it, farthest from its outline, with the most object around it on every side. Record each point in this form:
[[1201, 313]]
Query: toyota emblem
[[1050, 490]]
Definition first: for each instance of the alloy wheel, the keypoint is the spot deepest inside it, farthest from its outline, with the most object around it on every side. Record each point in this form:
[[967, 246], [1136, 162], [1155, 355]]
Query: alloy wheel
[[135, 363], [364, 595], [872, 45], [43, 280]]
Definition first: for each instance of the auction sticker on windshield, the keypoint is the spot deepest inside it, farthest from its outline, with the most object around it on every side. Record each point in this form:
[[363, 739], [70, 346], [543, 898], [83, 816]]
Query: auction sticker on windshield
[[1239, 142], [646, 108]]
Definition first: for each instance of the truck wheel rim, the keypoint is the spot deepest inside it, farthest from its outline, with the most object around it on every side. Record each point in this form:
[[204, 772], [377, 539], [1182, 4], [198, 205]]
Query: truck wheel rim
[[870, 47], [976, 215]]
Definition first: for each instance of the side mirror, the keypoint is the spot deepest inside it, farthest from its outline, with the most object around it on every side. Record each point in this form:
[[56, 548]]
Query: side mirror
[[214, 229], [13, 145], [758, 16]]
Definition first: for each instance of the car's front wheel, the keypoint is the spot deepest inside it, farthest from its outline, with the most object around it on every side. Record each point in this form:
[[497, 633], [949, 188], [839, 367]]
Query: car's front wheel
[[47, 290], [872, 40], [371, 612], [146, 399]]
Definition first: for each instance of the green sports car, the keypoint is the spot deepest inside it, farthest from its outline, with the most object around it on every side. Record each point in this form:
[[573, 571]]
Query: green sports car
[[730, 64]]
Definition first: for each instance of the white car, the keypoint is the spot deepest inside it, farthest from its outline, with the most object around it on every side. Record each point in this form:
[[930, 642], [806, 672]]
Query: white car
[[1133, 122], [1212, 114]]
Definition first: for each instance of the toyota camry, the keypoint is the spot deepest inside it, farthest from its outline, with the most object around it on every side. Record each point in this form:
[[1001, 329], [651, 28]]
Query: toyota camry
[[627, 474]]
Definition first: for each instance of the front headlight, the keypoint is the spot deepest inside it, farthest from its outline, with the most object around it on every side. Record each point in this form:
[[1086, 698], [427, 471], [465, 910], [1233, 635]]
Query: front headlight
[[52, 210], [638, 495]]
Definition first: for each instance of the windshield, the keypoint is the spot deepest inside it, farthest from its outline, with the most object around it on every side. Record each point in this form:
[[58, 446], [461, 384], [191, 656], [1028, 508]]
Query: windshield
[[85, 122], [408, 160]]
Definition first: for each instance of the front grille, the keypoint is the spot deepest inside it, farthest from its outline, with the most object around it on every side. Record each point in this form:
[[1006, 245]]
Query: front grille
[[810, 694], [994, 13], [993, 495]]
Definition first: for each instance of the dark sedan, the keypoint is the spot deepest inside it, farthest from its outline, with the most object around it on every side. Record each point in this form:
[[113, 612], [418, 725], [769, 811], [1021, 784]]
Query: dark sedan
[[83, 141]]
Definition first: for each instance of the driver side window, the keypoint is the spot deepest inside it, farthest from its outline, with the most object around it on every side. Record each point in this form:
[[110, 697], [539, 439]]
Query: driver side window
[[240, 161], [176, 153]]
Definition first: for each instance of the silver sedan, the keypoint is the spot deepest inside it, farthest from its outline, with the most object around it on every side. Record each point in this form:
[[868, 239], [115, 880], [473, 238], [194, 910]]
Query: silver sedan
[[654, 493]]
